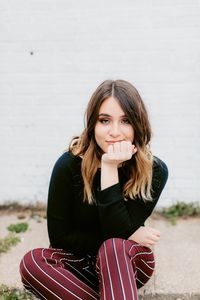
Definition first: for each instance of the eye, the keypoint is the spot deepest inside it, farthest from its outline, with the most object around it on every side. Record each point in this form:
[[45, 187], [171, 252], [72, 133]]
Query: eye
[[104, 121], [125, 121]]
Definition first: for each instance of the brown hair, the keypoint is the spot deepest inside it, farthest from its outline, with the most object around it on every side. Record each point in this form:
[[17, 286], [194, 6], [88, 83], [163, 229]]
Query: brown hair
[[139, 168]]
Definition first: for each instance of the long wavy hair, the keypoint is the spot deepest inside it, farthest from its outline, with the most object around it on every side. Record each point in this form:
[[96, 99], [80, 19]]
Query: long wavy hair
[[139, 167]]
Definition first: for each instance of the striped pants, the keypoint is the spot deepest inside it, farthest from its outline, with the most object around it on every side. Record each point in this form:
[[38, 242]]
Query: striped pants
[[119, 269]]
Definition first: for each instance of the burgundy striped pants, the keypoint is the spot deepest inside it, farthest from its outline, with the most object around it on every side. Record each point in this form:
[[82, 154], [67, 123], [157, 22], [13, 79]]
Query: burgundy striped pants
[[119, 269]]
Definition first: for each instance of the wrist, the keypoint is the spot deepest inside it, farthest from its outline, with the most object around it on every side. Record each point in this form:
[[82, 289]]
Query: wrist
[[108, 165], [109, 175]]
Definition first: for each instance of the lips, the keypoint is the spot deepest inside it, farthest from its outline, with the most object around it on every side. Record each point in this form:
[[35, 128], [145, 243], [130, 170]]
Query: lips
[[112, 142]]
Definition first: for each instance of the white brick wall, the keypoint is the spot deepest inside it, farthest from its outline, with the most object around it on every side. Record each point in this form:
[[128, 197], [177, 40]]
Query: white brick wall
[[54, 53]]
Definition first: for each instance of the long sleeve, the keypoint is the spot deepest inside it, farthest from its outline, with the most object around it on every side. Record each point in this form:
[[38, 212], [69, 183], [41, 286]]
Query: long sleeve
[[76, 226], [114, 216], [60, 211], [121, 218]]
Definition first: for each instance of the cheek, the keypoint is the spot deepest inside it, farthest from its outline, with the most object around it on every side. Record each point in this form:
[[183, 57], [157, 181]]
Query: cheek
[[131, 134], [97, 133]]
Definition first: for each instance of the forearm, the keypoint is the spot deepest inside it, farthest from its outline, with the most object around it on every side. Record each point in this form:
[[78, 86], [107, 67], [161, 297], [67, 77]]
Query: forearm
[[115, 155], [146, 236], [109, 175]]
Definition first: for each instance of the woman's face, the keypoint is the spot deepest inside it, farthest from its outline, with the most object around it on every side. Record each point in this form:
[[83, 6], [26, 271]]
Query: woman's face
[[112, 125]]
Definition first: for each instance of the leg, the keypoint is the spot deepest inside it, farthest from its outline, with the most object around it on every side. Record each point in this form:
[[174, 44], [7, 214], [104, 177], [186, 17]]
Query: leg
[[56, 274], [123, 267], [143, 263]]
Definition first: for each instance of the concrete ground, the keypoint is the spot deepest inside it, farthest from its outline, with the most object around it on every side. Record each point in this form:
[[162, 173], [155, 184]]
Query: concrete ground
[[177, 254]]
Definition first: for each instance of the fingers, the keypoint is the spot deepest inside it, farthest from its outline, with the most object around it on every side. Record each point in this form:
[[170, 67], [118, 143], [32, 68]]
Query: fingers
[[124, 146], [150, 243], [110, 149], [117, 147], [147, 245], [155, 232], [153, 237], [119, 152]]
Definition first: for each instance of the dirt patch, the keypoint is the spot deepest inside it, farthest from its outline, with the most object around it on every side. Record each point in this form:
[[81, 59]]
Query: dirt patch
[[23, 211]]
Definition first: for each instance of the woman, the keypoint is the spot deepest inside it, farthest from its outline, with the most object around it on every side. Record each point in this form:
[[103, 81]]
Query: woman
[[100, 194]]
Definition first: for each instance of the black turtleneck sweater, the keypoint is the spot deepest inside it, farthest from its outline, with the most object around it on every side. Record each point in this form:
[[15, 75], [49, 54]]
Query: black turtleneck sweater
[[79, 227]]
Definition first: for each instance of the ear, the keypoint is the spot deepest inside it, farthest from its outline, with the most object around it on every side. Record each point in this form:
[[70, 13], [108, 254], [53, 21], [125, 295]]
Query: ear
[[134, 149]]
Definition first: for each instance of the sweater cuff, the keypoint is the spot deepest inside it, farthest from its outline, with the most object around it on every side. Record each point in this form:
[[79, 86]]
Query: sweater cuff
[[110, 195]]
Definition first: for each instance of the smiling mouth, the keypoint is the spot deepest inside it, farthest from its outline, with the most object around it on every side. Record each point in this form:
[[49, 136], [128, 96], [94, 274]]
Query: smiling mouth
[[112, 142]]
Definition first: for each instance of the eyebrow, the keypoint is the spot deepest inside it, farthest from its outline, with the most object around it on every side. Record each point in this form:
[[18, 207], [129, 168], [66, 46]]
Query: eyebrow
[[107, 115]]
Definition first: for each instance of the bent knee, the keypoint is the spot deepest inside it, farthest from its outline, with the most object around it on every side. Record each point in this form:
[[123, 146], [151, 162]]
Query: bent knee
[[112, 244], [30, 260]]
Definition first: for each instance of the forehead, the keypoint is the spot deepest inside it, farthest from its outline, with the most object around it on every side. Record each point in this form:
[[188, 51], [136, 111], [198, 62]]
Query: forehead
[[111, 106]]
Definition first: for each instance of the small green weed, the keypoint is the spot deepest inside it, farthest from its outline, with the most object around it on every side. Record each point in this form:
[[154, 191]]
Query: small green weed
[[180, 209], [7, 293], [7, 242], [19, 227]]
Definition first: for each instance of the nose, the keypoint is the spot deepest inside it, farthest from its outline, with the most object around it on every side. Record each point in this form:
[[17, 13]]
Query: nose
[[114, 130]]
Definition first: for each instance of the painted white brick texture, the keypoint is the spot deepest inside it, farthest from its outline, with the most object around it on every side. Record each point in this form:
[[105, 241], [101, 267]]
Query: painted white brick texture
[[53, 54]]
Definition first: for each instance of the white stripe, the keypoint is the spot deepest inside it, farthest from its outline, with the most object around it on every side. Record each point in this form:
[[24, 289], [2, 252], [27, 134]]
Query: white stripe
[[38, 281], [77, 270], [111, 287], [66, 254], [141, 253], [90, 272], [77, 279], [79, 273], [51, 277], [129, 276], [100, 270], [124, 296], [138, 245], [72, 260], [140, 281], [134, 245], [147, 265], [150, 261], [82, 283], [28, 287], [143, 272]]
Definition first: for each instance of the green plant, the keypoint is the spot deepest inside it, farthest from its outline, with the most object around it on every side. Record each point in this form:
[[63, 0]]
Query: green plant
[[7, 242], [7, 293], [180, 209], [19, 227]]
